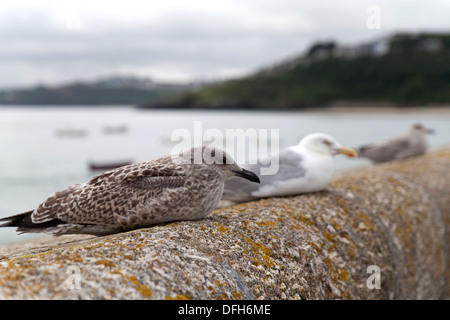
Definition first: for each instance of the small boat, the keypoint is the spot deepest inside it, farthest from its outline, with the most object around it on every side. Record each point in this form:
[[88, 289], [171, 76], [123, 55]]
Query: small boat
[[120, 129], [108, 166], [70, 133]]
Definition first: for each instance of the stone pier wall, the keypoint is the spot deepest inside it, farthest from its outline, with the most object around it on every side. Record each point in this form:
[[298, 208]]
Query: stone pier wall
[[386, 220]]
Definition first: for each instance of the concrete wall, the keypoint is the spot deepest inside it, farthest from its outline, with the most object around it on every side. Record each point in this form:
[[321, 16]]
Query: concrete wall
[[317, 246]]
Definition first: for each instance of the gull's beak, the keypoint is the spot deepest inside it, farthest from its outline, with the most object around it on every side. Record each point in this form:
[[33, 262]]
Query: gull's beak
[[247, 175], [347, 151]]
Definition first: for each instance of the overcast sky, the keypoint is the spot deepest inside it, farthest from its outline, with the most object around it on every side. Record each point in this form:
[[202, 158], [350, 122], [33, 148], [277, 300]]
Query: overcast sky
[[54, 41]]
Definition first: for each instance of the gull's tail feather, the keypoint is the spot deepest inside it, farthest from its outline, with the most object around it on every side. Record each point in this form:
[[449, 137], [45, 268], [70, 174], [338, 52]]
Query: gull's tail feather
[[24, 223], [56, 227]]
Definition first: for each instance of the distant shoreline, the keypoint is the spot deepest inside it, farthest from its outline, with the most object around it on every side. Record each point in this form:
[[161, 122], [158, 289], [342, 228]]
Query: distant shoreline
[[380, 110], [334, 109], [341, 108]]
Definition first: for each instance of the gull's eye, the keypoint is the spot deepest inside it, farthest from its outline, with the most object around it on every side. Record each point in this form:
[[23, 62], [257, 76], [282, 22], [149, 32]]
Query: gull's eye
[[326, 142], [224, 160]]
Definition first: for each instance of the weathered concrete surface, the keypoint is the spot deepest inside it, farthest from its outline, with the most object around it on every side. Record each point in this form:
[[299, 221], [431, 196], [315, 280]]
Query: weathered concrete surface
[[315, 246]]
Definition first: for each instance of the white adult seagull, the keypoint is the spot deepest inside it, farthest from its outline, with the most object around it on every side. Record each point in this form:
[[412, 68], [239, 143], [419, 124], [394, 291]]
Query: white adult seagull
[[303, 168]]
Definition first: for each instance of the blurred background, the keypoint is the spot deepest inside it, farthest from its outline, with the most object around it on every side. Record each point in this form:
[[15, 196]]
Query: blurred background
[[89, 85]]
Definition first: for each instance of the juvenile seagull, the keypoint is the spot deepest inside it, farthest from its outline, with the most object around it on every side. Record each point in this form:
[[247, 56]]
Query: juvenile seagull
[[413, 143], [306, 167], [183, 187]]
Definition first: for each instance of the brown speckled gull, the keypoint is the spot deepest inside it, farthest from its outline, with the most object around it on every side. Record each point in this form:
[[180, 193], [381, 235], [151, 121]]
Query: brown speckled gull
[[411, 144], [187, 186]]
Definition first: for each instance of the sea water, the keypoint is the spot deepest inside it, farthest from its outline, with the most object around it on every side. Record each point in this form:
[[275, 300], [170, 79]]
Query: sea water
[[45, 149]]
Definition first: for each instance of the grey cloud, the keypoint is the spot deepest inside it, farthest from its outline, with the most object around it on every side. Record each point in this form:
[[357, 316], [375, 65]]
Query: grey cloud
[[188, 42]]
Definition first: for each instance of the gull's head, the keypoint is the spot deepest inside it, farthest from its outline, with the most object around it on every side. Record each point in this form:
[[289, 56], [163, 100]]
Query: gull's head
[[217, 160], [325, 144], [420, 128]]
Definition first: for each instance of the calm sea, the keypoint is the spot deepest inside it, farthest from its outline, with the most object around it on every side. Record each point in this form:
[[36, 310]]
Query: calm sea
[[43, 150]]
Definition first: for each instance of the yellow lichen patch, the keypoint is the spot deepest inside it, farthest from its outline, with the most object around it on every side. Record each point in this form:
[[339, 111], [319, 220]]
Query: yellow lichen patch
[[141, 288], [351, 252], [116, 271], [261, 250], [237, 295], [144, 291], [304, 219], [328, 236], [336, 225], [179, 297], [258, 248], [315, 246], [222, 229], [343, 275], [267, 223], [106, 263], [219, 283]]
